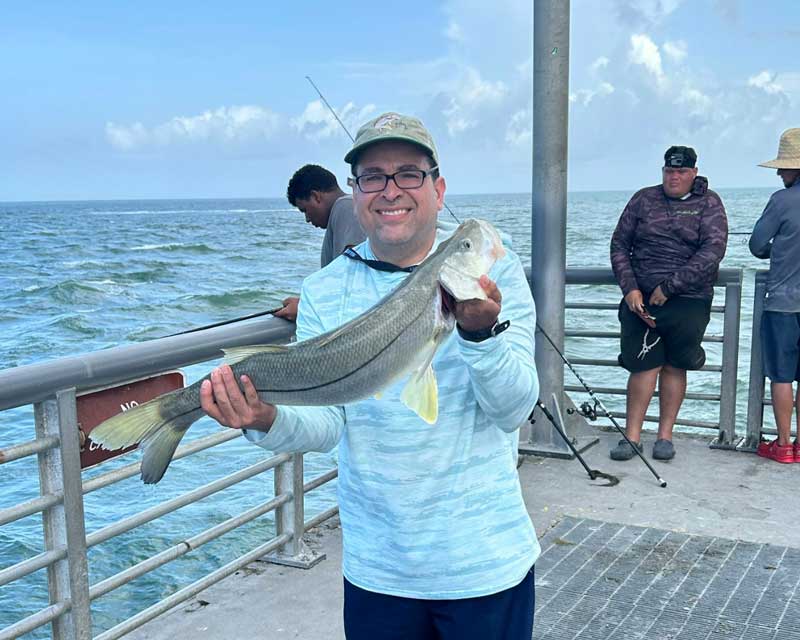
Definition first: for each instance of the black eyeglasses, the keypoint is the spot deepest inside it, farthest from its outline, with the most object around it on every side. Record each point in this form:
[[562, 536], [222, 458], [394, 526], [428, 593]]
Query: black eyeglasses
[[405, 179]]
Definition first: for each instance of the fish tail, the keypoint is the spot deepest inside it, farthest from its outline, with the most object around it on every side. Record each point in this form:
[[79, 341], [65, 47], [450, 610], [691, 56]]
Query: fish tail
[[158, 435], [159, 446], [129, 427]]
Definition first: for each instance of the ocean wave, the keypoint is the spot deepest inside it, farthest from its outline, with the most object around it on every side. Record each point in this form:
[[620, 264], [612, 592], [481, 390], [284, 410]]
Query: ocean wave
[[140, 212], [230, 299], [77, 292], [77, 324], [197, 247], [75, 264]]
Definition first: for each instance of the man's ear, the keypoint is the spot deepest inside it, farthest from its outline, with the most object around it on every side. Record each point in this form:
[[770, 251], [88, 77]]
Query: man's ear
[[440, 186], [315, 196]]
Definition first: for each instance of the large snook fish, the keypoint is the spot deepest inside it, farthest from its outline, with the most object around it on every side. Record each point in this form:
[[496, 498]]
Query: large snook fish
[[397, 336]]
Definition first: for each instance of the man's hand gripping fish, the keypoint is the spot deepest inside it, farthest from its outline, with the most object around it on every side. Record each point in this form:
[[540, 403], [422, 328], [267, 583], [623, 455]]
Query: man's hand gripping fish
[[396, 337]]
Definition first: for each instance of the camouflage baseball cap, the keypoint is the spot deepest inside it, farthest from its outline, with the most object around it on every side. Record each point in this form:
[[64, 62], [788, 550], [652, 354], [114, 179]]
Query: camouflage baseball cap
[[392, 126]]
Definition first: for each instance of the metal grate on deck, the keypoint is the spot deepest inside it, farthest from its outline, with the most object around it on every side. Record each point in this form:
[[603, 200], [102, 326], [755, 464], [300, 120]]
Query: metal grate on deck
[[608, 581]]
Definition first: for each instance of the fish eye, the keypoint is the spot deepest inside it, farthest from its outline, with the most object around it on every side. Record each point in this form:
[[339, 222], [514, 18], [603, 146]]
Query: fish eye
[[466, 243]]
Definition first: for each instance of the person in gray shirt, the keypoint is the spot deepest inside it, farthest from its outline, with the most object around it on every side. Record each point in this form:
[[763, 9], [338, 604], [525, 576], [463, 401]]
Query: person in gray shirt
[[776, 236], [316, 193]]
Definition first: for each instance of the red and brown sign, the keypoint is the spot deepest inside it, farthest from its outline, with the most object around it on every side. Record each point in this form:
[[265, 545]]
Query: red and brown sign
[[96, 406]]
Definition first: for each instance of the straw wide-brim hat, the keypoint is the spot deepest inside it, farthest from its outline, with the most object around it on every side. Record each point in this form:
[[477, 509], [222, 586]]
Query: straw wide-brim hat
[[788, 151]]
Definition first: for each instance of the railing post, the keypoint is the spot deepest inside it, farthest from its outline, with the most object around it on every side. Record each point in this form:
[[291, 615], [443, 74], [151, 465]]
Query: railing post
[[549, 211], [290, 517], [755, 392], [727, 438], [60, 472]]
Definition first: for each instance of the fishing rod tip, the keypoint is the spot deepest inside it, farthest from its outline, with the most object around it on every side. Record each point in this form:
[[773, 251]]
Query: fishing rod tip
[[663, 483]]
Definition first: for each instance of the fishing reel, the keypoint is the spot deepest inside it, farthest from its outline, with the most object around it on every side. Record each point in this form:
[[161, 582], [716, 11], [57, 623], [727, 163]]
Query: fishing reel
[[588, 410]]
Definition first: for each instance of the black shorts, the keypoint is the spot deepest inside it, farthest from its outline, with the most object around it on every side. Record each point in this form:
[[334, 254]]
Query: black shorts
[[675, 340]]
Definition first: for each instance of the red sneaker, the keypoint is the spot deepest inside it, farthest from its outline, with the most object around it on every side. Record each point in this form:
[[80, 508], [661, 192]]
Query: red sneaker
[[772, 450], [796, 451]]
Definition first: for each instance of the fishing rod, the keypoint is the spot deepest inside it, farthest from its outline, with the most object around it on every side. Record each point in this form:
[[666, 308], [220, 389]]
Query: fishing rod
[[271, 312], [593, 473], [563, 357], [599, 402], [352, 139]]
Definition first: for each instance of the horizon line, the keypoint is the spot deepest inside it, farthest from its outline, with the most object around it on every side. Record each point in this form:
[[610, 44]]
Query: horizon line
[[283, 197]]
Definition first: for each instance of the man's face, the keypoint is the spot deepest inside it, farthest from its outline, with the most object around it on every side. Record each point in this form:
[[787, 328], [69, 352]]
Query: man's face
[[400, 223], [677, 181], [315, 209], [788, 176]]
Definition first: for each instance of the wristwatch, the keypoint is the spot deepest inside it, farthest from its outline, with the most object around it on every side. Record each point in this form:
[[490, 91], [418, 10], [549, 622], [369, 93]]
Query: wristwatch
[[483, 334]]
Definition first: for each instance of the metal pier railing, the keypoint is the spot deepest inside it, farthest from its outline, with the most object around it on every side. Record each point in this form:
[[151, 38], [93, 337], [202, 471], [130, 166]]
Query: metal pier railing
[[725, 394], [52, 387], [756, 397]]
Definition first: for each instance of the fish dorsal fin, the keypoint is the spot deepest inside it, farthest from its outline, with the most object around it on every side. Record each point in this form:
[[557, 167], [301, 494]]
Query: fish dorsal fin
[[421, 393], [237, 354]]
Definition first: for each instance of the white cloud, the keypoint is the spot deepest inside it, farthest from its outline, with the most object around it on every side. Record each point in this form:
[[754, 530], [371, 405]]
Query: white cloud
[[696, 102], [767, 81], [454, 32], [677, 50], [585, 96], [600, 63], [128, 137], [224, 125], [645, 52], [646, 12], [317, 122], [469, 97], [519, 131]]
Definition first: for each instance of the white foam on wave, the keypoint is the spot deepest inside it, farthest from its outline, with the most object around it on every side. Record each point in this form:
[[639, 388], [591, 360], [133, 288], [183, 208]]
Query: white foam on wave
[[153, 247], [139, 212]]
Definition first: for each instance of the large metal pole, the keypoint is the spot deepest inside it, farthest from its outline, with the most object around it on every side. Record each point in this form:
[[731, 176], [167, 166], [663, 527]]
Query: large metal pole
[[549, 213]]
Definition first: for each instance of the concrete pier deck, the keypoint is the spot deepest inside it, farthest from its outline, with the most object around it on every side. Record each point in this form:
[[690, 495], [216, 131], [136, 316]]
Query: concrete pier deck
[[715, 554]]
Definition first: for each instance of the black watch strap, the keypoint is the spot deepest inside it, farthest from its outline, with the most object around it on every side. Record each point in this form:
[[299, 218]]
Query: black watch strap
[[483, 334]]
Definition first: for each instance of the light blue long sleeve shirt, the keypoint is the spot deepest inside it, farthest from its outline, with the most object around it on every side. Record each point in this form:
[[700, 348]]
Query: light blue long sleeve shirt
[[427, 511]]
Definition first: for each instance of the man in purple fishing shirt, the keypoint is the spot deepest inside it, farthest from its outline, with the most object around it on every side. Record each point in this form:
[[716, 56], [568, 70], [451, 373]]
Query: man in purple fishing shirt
[[665, 253]]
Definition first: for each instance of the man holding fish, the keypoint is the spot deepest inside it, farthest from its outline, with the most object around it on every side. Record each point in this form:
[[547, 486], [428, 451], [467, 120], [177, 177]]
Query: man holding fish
[[437, 540]]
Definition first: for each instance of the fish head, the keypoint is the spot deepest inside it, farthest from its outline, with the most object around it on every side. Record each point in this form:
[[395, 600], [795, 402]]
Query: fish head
[[469, 253]]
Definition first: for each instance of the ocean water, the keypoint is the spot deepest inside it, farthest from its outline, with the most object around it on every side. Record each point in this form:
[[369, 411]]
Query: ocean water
[[82, 276]]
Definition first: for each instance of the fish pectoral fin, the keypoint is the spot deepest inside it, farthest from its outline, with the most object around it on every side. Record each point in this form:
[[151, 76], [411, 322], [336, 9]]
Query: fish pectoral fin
[[237, 354], [421, 395]]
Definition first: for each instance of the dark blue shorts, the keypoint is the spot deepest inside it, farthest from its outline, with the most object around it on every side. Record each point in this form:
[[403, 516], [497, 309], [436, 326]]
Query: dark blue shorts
[[507, 615], [780, 346]]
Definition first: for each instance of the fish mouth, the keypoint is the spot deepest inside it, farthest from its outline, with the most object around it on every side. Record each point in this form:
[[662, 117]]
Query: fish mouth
[[448, 301]]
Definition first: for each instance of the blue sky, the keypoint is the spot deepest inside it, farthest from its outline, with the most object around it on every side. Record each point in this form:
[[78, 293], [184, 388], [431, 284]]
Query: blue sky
[[200, 99]]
